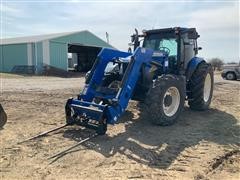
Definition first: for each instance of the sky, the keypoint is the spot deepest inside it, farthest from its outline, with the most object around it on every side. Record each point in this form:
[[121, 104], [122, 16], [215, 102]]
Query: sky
[[217, 22]]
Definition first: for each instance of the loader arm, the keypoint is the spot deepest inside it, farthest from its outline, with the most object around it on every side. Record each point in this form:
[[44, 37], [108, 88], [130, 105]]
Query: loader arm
[[141, 56]]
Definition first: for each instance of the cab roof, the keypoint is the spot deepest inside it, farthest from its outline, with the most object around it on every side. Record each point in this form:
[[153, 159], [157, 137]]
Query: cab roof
[[192, 33]]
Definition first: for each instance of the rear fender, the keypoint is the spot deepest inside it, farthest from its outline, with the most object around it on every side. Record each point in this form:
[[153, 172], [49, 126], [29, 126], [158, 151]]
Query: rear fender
[[192, 66]]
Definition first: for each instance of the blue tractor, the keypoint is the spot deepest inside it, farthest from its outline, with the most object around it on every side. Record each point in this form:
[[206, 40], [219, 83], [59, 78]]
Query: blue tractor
[[163, 73]]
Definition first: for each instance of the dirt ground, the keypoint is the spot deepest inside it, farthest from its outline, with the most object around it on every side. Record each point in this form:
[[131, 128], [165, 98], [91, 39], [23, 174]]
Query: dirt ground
[[201, 145]]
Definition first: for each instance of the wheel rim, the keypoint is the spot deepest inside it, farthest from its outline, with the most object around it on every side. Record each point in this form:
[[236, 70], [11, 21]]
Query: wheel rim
[[207, 88], [171, 108]]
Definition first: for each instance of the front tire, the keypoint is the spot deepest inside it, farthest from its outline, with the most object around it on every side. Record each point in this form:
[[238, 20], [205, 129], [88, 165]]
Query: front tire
[[165, 101], [200, 87]]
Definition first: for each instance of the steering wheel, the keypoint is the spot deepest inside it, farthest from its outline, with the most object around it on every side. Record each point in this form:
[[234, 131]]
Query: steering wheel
[[164, 49]]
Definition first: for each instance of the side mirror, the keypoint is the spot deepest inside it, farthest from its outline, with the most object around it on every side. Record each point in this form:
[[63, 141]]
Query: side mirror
[[199, 48]]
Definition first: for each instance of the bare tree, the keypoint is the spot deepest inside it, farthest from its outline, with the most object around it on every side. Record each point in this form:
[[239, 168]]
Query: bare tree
[[216, 63]]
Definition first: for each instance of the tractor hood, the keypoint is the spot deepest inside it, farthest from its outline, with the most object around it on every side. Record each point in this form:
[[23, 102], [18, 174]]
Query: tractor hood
[[156, 55]]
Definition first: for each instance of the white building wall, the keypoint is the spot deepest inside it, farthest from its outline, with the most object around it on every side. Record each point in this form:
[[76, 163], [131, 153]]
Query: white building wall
[[46, 55], [30, 54]]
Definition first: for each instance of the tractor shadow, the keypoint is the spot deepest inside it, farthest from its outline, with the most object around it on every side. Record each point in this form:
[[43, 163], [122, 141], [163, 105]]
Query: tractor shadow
[[157, 146]]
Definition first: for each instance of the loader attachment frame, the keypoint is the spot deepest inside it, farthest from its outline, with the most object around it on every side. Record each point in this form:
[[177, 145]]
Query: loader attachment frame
[[84, 109]]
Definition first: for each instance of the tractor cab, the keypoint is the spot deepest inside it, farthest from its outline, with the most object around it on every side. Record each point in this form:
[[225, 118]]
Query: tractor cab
[[173, 47]]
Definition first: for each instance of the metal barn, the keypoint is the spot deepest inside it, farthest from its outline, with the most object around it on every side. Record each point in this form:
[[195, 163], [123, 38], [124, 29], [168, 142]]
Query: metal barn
[[64, 51]]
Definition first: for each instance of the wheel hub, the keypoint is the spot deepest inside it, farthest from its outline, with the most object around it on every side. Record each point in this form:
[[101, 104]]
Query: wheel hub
[[171, 101], [168, 100], [207, 88]]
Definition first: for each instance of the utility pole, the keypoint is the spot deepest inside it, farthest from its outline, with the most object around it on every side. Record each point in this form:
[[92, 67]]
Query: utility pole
[[107, 37]]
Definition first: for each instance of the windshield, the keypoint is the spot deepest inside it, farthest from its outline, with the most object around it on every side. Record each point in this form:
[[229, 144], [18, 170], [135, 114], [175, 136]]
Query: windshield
[[159, 44]]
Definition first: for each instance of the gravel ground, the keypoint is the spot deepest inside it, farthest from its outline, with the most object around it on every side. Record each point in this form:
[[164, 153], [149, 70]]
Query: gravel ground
[[201, 145]]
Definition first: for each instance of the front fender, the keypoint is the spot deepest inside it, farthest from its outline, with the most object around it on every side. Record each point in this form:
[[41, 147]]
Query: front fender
[[192, 65]]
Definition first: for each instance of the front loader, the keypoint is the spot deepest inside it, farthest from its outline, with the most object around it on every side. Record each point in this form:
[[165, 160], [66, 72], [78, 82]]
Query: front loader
[[163, 73]]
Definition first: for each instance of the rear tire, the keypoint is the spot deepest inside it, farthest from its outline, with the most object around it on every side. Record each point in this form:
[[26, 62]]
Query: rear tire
[[200, 87], [165, 101]]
